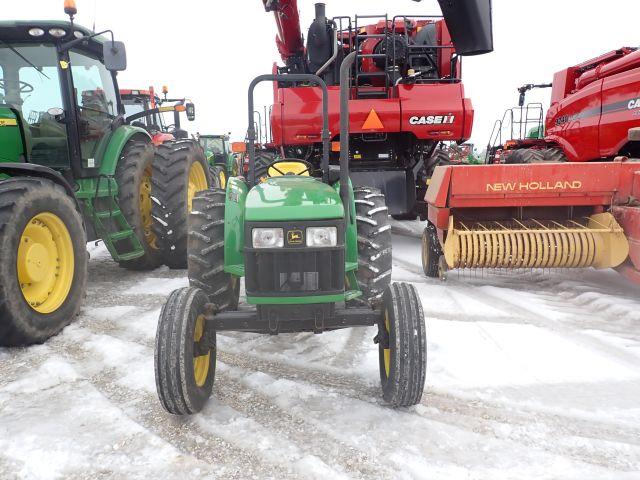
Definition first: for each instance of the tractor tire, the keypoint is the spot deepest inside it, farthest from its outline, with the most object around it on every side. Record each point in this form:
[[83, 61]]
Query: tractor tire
[[43, 270], [402, 346], [184, 380], [263, 159], [206, 251], [554, 155], [524, 155], [133, 174], [218, 175], [179, 171], [374, 243], [533, 155], [431, 251], [439, 158]]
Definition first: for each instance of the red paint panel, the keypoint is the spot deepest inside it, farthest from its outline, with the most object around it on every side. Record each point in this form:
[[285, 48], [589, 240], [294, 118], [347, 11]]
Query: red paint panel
[[438, 189], [621, 110], [437, 100], [629, 220], [574, 121], [600, 183]]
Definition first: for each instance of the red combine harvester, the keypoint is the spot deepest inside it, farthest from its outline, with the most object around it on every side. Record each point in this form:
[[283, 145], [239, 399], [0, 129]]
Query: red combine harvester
[[406, 92], [144, 108], [593, 106], [537, 212]]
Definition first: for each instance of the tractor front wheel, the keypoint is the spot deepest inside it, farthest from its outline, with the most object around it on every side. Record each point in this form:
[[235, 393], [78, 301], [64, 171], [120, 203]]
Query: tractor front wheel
[[402, 346], [374, 243], [133, 174], [180, 170], [44, 260], [185, 353], [206, 250]]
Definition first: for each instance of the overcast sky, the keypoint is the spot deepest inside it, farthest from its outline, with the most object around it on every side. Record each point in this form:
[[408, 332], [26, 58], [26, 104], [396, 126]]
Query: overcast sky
[[209, 50]]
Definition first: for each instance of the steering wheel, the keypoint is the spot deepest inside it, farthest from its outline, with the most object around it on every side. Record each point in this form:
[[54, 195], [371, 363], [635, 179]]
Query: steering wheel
[[308, 166], [24, 86]]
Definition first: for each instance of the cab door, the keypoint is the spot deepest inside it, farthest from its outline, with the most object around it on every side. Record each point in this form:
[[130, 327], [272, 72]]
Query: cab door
[[96, 103]]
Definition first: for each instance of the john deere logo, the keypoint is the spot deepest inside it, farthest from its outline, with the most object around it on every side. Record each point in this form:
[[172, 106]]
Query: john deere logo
[[294, 237]]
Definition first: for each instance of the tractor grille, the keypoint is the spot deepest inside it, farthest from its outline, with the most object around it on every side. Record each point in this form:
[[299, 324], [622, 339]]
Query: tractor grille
[[294, 271]]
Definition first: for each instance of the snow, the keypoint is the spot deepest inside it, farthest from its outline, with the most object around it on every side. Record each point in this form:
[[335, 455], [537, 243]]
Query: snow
[[530, 375]]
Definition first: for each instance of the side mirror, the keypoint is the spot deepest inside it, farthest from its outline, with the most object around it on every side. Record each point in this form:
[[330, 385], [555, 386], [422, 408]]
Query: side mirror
[[115, 56], [521, 100], [191, 111]]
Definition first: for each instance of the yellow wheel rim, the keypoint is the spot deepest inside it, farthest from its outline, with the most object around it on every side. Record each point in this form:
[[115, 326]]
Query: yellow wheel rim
[[45, 263], [387, 351], [223, 179], [145, 207], [200, 363], [197, 182]]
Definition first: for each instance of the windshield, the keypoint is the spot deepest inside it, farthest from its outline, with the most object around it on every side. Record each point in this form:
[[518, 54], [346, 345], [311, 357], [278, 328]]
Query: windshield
[[132, 107], [32, 91], [212, 146]]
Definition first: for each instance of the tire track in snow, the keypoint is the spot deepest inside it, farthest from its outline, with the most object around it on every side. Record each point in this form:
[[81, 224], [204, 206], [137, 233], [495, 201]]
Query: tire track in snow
[[184, 434]]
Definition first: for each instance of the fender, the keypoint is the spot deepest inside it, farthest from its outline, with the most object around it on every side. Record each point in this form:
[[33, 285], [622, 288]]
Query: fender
[[117, 140], [40, 171], [566, 147]]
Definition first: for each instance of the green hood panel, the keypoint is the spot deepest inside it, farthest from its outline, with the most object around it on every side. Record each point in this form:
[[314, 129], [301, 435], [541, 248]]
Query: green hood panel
[[293, 198]]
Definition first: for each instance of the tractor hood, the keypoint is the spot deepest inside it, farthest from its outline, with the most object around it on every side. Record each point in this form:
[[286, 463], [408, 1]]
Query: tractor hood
[[292, 198]]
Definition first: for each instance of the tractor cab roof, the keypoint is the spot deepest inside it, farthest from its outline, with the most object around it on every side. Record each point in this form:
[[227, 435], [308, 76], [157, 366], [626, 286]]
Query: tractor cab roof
[[39, 31]]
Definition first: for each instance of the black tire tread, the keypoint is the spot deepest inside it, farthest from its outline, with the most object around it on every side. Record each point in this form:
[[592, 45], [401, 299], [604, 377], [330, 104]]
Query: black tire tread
[[432, 244], [374, 243], [407, 339], [131, 165], [206, 250], [169, 359], [169, 195]]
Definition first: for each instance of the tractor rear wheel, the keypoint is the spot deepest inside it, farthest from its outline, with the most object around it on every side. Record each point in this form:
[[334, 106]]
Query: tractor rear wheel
[[179, 171], [264, 158], [44, 260], [206, 250], [431, 251], [185, 353], [133, 174], [374, 243], [218, 176], [402, 346]]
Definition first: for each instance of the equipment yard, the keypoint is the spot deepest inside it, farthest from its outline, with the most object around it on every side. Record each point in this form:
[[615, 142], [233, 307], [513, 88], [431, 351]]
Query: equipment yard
[[530, 375]]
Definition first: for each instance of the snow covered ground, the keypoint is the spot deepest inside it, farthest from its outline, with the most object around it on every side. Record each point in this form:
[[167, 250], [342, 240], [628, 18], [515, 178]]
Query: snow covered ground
[[530, 375]]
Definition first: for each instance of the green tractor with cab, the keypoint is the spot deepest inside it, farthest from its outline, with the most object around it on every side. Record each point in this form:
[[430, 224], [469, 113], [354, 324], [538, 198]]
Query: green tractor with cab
[[72, 170], [222, 161], [316, 256]]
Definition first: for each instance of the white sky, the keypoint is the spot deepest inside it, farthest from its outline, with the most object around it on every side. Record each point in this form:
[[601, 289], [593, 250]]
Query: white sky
[[209, 50]]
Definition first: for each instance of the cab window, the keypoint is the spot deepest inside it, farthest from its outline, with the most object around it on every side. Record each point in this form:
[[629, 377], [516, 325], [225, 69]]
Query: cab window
[[96, 100]]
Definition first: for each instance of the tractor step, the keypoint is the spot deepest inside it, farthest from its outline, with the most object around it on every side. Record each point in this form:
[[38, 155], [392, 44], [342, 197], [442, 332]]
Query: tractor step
[[110, 223], [123, 235]]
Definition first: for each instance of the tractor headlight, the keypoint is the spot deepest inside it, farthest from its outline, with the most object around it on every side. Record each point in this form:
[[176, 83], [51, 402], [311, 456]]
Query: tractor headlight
[[322, 236], [57, 32], [267, 237]]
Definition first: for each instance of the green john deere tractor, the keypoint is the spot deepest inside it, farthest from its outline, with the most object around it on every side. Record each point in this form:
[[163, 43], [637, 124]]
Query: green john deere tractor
[[222, 161], [71, 170], [316, 256]]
